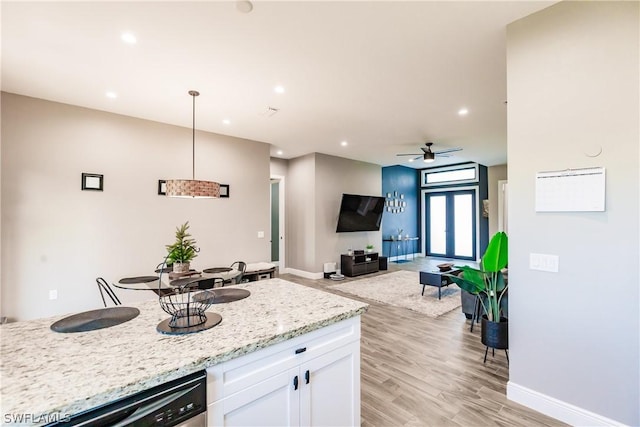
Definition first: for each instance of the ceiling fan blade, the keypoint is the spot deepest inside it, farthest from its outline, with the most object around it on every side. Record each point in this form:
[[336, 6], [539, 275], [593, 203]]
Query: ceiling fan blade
[[448, 150], [409, 154]]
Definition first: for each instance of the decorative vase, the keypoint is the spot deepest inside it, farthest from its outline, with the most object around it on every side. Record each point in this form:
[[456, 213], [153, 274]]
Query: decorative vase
[[495, 334], [181, 267]]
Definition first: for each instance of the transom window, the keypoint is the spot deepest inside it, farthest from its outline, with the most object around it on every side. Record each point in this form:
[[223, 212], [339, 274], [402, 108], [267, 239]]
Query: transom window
[[449, 175]]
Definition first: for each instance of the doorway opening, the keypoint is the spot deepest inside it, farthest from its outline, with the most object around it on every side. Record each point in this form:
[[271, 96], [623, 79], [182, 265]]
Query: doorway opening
[[277, 222]]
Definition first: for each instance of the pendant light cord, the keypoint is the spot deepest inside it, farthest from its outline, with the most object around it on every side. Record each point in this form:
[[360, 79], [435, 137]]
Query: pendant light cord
[[193, 144]]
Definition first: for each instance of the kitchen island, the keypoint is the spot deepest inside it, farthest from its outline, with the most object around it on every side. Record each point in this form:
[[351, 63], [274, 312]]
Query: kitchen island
[[56, 374]]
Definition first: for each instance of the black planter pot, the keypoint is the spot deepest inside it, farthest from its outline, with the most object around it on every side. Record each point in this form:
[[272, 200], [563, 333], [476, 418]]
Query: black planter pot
[[495, 334]]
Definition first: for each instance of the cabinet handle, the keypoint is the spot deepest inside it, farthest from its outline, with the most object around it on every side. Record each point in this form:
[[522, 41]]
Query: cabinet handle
[[295, 382], [306, 377], [301, 350]]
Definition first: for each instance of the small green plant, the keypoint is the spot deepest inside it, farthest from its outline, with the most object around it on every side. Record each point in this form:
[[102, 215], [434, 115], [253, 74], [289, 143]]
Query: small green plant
[[369, 247], [184, 249]]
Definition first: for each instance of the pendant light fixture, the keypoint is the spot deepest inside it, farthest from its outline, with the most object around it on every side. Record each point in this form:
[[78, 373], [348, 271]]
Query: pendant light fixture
[[191, 187]]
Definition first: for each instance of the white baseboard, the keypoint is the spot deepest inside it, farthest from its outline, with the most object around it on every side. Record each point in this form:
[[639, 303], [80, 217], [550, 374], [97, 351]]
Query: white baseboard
[[555, 408], [302, 273]]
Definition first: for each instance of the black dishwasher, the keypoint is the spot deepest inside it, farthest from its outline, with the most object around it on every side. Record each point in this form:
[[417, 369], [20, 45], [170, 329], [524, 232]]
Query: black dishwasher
[[181, 402]]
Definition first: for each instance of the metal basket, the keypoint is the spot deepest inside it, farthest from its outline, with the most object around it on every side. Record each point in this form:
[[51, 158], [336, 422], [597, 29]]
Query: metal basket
[[185, 311]]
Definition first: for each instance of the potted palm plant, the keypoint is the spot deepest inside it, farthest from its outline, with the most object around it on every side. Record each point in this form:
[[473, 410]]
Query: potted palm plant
[[183, 250], [489, 284]]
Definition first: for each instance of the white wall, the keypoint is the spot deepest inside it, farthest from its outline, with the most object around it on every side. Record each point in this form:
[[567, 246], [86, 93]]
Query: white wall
[[574, 335], [278, 166], [55, 236], [494, 174], [335, 176], [315, 184], [300, 211]]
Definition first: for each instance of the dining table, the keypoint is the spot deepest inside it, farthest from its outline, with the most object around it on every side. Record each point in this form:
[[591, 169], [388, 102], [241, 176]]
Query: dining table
[[165, 281]]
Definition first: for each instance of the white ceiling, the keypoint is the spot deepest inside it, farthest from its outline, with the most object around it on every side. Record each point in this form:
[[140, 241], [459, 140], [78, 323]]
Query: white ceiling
[[384, 76]]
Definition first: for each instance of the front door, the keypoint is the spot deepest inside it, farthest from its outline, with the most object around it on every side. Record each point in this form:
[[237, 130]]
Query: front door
[[451, 224]]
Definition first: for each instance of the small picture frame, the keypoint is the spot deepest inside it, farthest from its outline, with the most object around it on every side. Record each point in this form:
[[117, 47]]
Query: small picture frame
[[402, 196], [388, 195], [92, 182], [224, 191], [162, 187], [389, 209]]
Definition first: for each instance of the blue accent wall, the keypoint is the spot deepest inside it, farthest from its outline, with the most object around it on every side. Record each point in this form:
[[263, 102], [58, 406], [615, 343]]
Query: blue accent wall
[[405, 181]]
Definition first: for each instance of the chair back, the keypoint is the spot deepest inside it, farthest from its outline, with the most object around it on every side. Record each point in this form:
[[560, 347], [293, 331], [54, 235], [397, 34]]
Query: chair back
[[242, 268], [210, 283], [104, 287]]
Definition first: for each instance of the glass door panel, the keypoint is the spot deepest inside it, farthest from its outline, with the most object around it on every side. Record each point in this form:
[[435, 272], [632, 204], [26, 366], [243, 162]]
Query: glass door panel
[[438, 225], [463, 225]]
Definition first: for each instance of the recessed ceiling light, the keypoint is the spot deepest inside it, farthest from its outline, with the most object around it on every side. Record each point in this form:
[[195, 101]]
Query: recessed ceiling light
[[278, 89], [129, 38], [463, 112], [344, 143], [111, 95], [226, 121], [411, 160], [279, 153]]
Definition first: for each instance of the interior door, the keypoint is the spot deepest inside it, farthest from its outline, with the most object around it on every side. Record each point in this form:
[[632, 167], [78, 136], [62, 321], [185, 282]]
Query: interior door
[[451, 224]]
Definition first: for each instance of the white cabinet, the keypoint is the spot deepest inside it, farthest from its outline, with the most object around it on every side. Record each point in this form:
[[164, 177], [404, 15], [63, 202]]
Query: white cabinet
[[313, 379]]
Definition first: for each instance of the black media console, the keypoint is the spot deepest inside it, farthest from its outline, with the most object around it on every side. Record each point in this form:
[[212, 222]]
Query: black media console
[[355, 265]]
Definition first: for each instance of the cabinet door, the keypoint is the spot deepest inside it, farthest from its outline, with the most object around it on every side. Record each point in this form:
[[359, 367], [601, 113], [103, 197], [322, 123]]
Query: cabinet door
[[332, 395], [272, 402]]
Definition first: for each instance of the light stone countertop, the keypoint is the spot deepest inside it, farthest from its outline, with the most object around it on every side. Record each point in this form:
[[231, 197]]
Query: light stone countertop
[[45, 372]]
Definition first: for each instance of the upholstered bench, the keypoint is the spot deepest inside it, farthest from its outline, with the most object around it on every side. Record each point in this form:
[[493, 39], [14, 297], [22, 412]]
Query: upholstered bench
[[260, 270]]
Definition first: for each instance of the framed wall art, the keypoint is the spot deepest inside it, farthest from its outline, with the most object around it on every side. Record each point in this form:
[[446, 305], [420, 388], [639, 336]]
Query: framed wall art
[[92, 182]]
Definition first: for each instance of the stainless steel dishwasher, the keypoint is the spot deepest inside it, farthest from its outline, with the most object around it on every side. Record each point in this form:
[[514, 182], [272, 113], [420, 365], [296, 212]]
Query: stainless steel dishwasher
[[181, 402]]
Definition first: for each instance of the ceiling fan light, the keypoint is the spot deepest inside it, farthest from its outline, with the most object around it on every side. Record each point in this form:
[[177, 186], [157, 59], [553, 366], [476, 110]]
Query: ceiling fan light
[[429, 157]]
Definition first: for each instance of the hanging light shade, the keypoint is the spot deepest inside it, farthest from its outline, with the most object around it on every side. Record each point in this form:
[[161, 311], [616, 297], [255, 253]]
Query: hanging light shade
[[192, 187]]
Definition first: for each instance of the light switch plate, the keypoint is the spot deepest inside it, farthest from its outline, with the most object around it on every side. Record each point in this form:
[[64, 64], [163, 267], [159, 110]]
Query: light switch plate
[[260, 234], [544, 262]]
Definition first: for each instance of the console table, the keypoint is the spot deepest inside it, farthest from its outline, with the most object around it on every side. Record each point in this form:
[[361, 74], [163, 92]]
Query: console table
[[402, 246]]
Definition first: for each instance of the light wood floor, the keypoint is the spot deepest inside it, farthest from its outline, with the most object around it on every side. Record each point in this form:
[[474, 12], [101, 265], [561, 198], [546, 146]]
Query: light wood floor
[[419, 371]]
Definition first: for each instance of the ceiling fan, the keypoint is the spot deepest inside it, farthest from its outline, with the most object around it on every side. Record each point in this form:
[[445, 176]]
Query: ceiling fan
[[429, 156]]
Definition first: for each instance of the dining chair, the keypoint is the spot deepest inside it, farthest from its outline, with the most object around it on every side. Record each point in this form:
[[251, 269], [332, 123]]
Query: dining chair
[[210, 283], [242, 268], [104, 287]]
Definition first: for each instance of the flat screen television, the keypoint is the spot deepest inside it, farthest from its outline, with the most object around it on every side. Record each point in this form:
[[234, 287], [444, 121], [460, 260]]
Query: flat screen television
[[360, 213]]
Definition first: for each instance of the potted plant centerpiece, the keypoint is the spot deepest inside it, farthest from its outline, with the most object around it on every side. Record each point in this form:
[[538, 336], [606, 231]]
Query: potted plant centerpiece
[[369, 248], [183, 250], [489, 284]]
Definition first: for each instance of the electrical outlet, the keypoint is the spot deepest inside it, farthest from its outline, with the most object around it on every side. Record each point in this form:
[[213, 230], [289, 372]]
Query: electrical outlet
[[544, 262], [53, 294], [260, 234]]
